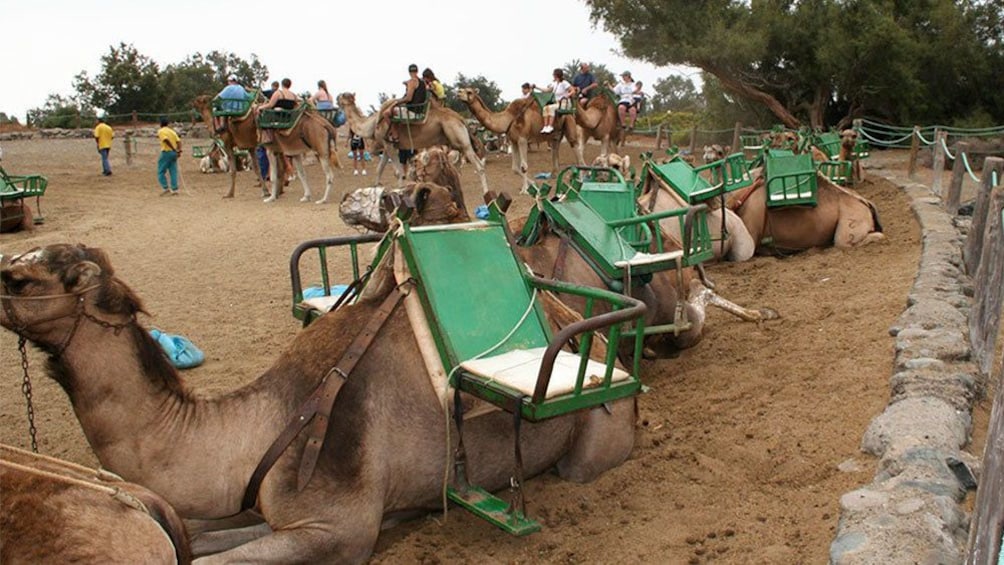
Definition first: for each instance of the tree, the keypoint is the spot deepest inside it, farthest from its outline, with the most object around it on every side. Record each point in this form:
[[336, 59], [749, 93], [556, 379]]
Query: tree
[[600, 71], [675, 94], [820, 60], [60, 112], [487, 89], [206, 74], [128, 81]]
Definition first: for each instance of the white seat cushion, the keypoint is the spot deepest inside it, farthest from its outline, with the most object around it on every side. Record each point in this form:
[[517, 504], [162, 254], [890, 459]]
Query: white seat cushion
[[322, 303], [642, 258], [518, 369]]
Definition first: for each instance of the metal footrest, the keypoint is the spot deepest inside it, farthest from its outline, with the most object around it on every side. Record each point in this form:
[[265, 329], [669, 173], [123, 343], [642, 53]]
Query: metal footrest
[[487, 506]]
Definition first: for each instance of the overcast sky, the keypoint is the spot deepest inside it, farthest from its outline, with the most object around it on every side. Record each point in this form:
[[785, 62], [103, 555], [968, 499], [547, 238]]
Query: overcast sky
[[364, 47]]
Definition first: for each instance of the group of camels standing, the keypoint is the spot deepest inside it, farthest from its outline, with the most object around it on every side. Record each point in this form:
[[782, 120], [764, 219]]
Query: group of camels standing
[[197, 454]]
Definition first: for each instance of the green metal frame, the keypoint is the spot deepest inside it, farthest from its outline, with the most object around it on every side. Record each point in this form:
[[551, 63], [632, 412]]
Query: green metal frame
[[304, 313], [15, 188], [791, 179], [200, 151], [420, 112], [838, 172], [277, 118], [233, 108]]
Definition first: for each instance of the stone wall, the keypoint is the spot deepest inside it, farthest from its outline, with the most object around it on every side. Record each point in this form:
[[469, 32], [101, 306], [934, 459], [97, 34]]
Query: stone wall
[[911, 512], [185, 129]]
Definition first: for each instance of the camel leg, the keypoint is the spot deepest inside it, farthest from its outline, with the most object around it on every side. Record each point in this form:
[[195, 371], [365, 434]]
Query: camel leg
[[298, 165], [217, 541], [381, 165], [479, 167], [702, 296], [233, 177], [853, 232], [523, 146], [257, 171], [273, 163], [329, 180]]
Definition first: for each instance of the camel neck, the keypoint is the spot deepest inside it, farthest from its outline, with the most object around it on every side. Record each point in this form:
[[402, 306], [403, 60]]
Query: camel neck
[[497, 122], [145, 425]]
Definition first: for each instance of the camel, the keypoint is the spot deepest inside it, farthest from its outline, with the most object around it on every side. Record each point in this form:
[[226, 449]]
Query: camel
[[666, 300], [734, 243], [312, 133], [848, 141], [598, 120], [383, 456], [521, 121], [442, 126], [242, 133], [841, 218], [435, 165], [52, 511]]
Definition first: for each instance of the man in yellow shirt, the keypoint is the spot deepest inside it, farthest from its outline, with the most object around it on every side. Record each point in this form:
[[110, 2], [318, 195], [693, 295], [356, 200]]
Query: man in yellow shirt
[[170, 148], [103, 135]]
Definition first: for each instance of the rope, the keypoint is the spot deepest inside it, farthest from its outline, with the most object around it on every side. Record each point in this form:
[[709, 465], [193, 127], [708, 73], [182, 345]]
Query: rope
[[965, 161], [886, 142], [944, 147], [923, 139]]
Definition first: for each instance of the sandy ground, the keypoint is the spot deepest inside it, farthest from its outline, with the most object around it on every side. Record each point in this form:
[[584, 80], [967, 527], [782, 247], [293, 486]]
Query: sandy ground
[[738, 441]]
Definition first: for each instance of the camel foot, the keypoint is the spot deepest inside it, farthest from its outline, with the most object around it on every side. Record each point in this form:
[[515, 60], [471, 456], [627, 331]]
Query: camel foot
[[322, 201], [305, 199], [269, 199], [648, 353], [225, 196], [769, 314]]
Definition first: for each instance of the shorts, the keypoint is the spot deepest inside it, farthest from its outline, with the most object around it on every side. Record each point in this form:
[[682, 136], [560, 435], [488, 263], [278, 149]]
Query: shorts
[[404, 155], [625, 104], [357, 144]]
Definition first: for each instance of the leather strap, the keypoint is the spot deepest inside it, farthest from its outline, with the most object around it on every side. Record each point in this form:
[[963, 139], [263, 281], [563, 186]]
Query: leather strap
[[558, 272], [316, 409]]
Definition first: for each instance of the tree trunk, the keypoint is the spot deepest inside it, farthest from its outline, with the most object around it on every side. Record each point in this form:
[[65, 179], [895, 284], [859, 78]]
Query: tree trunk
[[817, 113], [739, 88]]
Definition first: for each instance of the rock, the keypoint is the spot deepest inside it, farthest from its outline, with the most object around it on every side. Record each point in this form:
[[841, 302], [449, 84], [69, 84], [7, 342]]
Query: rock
[[850, 466], [915, 422]]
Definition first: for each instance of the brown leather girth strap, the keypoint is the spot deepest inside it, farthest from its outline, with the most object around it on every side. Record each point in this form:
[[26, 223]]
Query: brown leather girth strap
[[558, 272], [317, 407]]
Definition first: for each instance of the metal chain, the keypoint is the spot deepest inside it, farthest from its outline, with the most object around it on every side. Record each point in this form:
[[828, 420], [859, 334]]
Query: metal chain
[[26, 390]]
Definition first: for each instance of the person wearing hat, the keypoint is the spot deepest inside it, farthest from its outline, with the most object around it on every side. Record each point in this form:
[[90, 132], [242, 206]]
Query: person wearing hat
[[232, 91], [170, 148], [103, 135], [409, 105], [625, 91]]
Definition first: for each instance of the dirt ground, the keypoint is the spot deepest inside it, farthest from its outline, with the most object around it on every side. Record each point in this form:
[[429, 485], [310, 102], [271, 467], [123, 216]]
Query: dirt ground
[[738, 441]]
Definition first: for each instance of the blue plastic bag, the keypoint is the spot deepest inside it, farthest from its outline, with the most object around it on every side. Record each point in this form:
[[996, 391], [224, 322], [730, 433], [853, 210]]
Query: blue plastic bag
[[481, 212], [542, 176], [318, 291], [181, 352]]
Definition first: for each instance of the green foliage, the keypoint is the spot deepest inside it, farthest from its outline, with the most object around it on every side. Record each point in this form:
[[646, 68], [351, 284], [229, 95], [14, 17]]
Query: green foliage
[[487, 89], [5, 119], [61, 112], [823, 61], [128, 81], [675, 94], [603, 75]]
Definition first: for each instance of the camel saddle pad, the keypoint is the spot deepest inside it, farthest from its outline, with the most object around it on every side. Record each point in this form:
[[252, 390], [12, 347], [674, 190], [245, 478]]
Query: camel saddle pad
[[518, 369]]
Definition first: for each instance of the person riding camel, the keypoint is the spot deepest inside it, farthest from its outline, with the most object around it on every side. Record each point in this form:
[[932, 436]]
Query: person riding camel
[[408, 106], [434, 85], [283, 99], [625, 91], [322, 98], [235, 94], [562, 91]]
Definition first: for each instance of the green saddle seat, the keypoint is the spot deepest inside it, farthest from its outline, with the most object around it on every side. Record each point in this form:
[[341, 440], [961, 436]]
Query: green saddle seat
[[829, 143], [410, 113], [233, 107], [15, 188], [277, 118], [726, 175], [791, 179]]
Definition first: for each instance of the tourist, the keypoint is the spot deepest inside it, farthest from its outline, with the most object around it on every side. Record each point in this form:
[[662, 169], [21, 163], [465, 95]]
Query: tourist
[[433, 85], [561, 90], [407, 106], [527, 90], [268, 93], [103, 135], [234, 96], [357, 148], [625, 91], [170, 149], [283, 98], [584, 82], [639, 99], [322, 98]]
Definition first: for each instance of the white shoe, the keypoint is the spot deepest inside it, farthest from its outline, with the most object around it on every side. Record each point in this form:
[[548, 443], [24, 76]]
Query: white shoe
[[364, 172], [547, 129], [355, 173]]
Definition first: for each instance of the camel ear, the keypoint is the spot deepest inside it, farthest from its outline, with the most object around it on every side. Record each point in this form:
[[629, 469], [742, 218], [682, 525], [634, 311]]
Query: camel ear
[[81, 275], [421, 198]]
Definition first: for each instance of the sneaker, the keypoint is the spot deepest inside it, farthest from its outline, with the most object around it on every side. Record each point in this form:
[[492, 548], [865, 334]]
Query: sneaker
[[174, 192], [364, 172], [547, 129], [164, 192], [355, 173]]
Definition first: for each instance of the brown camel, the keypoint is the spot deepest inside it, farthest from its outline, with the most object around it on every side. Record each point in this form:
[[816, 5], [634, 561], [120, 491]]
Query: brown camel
[[241, 133], [841, 218], [442, 126], [521, 121], [52, 511], [662, 295], [144, 423], [598, 120], [434, 165], [734, 243], [848, 141], [311, 134]]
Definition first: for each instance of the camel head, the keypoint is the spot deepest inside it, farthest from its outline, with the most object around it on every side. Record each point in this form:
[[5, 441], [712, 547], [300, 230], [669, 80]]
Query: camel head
[[201, 102], [784, 140], [346, 100], [420, 203], [848, 139], [467, 94], [713, 153], [46, 290], [437, 165], [614, 161]]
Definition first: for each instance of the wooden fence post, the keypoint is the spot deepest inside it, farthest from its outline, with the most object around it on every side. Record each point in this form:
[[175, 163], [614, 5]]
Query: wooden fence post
[[951, 199], [914, 150], [736, 137], [135, 118], [658, 137], [128, 147], [693, 139], [973, 251], [988, 513], [939, 161]]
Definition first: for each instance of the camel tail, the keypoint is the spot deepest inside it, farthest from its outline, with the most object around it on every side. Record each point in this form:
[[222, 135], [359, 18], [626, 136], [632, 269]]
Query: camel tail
[[875, 217], [333, 146]]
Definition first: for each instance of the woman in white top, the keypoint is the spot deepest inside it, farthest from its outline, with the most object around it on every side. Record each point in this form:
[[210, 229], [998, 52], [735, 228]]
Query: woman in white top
[[625, 91], [561, 89]]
